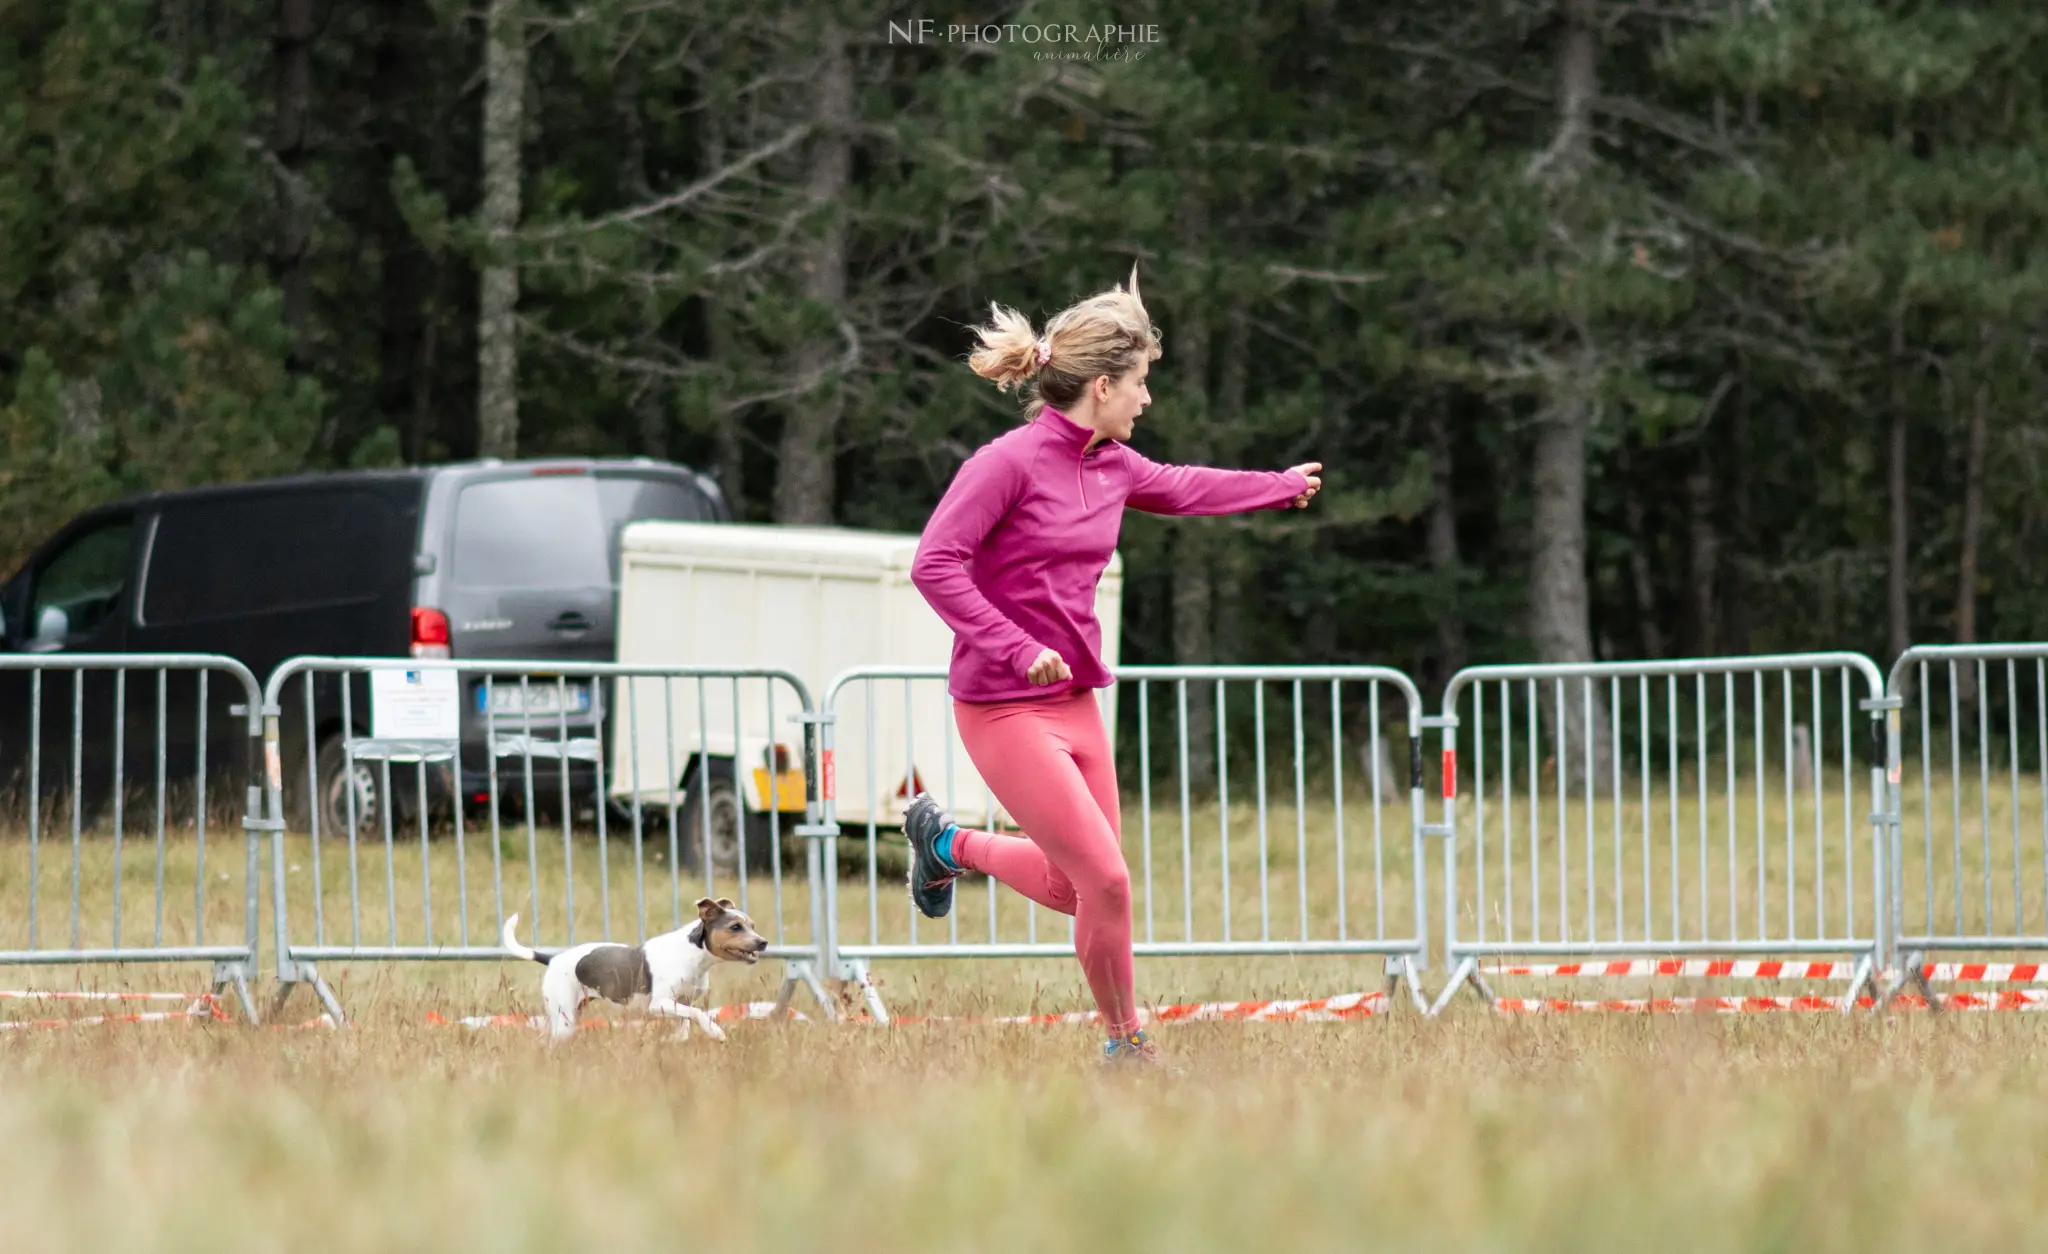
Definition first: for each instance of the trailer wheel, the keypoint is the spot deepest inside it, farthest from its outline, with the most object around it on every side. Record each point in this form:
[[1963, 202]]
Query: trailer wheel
[[728, 817]]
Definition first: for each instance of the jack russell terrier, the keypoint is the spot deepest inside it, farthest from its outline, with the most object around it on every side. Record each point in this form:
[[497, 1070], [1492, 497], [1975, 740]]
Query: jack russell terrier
[[672, 969]]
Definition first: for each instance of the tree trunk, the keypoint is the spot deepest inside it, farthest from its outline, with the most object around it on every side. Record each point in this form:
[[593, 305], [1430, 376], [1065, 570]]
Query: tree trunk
[[404, 274], [1973, 521], [178, 41], [1452, 646], [1736, 640], [1559, 604], [1703, 558], [292, 50], [1973, 518], [1642, 580], [805, 470], [1559, 613], [426, 357], [650, 396], [1898, 620], [497, 330], [727, 436]]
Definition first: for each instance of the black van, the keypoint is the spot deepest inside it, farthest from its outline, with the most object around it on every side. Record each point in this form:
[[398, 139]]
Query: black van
[[483, 559]]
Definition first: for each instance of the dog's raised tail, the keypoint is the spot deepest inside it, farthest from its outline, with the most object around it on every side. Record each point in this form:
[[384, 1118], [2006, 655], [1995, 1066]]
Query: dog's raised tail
[[510, 940]]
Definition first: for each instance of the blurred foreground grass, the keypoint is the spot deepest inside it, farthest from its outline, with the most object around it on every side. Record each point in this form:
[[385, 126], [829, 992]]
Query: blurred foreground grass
[[1810, 1132]]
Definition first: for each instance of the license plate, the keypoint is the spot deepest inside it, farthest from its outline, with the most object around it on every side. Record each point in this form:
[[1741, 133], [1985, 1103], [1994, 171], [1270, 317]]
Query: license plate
[[538, 698]]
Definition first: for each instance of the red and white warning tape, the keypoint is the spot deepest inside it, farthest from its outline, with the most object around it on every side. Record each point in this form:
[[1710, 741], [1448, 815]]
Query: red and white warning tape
[[723, 1014], [1310, 1010], [2022, 999], [37, 994], [1737, 969], [1664, 1005], [204, 1006], [1986, 972], [1772, 970], [1693, 968], [1345, 1006]]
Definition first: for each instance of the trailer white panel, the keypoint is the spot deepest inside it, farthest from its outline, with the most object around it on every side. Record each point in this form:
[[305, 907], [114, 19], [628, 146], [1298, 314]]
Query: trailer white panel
[[814, 601]]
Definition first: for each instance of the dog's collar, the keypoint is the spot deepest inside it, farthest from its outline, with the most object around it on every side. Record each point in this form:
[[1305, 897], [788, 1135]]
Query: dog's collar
[[699, 937]]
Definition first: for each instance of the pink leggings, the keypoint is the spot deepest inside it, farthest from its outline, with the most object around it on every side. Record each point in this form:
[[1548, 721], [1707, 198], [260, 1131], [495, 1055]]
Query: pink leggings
[[1049, 763]]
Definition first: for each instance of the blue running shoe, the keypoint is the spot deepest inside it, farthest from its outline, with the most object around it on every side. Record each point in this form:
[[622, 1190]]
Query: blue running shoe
[[931, 876], [1137, 1048]]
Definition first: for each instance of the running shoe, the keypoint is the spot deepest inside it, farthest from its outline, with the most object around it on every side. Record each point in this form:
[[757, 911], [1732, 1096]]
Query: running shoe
[[1137, 1048], [931, 876]]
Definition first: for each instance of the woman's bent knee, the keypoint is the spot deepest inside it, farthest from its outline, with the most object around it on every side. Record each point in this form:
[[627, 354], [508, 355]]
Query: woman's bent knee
[[1112, 891]]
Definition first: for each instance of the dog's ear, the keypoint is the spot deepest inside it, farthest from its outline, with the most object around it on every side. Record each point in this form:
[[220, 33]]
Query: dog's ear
[[726, 903], [708, 909]]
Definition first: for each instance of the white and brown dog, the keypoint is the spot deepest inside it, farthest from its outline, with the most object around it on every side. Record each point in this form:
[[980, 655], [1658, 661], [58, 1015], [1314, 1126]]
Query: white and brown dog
[[672, 969]]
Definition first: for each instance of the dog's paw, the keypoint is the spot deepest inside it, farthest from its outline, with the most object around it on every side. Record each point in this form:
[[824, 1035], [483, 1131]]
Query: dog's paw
[[713, 1031]]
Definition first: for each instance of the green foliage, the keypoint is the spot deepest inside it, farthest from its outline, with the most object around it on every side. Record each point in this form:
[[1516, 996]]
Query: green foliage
[[196, 391], [1796, 221], [48, 471], [133, 358]]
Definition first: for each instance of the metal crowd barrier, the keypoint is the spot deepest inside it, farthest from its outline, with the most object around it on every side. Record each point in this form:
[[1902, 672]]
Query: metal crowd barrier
[[384, 776], [100, 754], [1706, 806], [1703, 807], [1286, 845], [1967, 774]]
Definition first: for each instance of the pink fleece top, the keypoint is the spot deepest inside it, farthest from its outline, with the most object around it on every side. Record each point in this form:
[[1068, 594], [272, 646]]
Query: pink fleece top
[[1011, 556]]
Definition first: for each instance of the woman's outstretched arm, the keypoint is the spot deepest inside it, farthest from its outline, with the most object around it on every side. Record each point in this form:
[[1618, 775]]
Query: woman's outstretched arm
[[1190, 490]]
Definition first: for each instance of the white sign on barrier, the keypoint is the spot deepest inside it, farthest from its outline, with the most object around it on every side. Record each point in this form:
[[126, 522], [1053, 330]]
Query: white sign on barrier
[[415, 705]]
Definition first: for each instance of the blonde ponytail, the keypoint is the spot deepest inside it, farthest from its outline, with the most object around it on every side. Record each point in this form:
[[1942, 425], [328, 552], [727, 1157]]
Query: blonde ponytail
[[1009, 349], [1108, 334]]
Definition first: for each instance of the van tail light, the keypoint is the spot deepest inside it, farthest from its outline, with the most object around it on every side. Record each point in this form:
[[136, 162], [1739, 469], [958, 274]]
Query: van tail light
[[430, 634]]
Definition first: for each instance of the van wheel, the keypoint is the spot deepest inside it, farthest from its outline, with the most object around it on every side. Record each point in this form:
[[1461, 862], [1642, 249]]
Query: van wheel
[[727, 816], [332, 770]]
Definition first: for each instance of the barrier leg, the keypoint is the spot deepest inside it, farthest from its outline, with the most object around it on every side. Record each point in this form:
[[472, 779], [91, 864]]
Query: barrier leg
[[227, 974], [1912, 971], [871, 997], [307, 975], [1864, 977], [1401, 973], [326, 996], [1465, 973], [803, 974]]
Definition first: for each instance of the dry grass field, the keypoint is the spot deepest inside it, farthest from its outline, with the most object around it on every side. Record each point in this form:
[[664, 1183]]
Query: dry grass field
[[1810, 1132], [1469, 1133]]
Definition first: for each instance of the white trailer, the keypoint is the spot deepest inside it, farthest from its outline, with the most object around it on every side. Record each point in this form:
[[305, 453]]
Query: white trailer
[[815, 601]]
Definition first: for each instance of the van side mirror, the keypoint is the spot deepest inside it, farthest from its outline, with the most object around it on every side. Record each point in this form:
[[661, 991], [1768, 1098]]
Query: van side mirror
[[53, 628]]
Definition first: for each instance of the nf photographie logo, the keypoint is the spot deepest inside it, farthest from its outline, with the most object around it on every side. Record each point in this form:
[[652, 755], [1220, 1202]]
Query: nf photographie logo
[[1047, 40]]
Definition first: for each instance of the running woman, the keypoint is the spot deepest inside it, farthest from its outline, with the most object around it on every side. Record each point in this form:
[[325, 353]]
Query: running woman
[[1010, 561]]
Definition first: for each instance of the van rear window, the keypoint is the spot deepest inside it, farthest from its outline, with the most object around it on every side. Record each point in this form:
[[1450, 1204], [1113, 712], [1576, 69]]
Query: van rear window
[[638, 500], [545, 532], [560, 531], [629, 499]]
